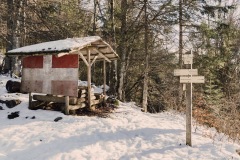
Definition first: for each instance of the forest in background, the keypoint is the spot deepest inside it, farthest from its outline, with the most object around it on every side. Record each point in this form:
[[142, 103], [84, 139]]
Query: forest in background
[[150, 37]]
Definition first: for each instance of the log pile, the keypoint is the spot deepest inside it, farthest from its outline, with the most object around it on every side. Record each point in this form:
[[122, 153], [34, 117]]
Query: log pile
[[75, 103], [83, 97]]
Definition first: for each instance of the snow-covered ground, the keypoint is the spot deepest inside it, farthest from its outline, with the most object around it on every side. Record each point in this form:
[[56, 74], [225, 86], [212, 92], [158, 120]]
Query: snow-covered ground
[[127, 134]]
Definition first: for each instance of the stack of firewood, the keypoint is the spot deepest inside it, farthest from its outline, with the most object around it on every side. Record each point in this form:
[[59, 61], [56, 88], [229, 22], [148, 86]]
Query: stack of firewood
[[83, 98]]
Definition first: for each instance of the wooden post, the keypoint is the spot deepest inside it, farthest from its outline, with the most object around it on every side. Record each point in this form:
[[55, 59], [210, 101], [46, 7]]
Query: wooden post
[[189, 110], [104, 77], [30, 100], [89, 78], [188, 78], [189, 114], [67, 105]]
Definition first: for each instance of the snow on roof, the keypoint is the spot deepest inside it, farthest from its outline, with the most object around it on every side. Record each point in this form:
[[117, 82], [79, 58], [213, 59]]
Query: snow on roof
[[56, 46], [69, 45]]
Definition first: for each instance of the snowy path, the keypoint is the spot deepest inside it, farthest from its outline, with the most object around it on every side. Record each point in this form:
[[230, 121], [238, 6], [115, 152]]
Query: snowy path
[[126, 134]]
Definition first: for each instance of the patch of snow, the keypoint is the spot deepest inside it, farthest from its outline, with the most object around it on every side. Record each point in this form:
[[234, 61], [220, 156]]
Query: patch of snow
[[96, 89], [127, 134], [59, 45]]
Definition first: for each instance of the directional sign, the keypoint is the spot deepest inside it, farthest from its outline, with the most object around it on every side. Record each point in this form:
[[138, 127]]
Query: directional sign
[[187, 58], [185, 72], [194, 79]]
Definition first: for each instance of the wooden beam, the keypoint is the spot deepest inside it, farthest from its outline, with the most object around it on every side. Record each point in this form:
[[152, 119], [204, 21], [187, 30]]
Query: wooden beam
[[94, 59], [48, 98], [102, 55], [97, 101], [100, 46], [74, 107], [104, 77], [62, 54], [98, 51], [84, 59], [89, 77]]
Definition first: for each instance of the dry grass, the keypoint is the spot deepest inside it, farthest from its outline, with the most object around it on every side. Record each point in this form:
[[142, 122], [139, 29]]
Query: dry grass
[[225, 117]]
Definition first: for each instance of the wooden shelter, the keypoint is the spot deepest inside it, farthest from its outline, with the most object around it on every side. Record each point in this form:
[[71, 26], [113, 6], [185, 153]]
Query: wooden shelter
[[52, 68]]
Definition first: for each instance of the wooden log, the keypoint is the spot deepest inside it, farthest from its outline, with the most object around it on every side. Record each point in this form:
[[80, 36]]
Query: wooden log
[[84, 91], [67, 105], [81, 91], [93, 97], [13, 86], [82, 95], [93, 102], [30, 100], [99, 95], [92, 89], [82, 87], [37, 105], [92, 93], [85, 95], [48, 98], [74, 107], [81, 100]]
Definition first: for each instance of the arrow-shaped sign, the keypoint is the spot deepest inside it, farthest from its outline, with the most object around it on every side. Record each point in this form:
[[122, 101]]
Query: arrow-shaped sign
[[185, 72], [194, 79]]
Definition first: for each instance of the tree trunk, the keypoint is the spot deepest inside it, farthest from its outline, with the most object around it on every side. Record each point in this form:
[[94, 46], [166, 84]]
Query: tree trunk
[[180, 93], [23, 29], [145, 80], [14, 28], [94, 18], [10, 25], [18, 9], [94, 28], [123, 50], [113, 71], [10, 34]]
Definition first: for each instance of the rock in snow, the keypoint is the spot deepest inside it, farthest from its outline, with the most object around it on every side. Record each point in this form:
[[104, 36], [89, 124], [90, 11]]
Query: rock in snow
[[57, 119], [13, 115]]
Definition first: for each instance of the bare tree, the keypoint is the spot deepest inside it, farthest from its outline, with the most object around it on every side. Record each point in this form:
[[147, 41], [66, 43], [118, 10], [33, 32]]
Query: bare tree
[[123, 49], [146, 70], [113, 71]]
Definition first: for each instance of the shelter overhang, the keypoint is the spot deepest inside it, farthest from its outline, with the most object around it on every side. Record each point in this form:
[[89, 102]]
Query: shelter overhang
[[99, 49]]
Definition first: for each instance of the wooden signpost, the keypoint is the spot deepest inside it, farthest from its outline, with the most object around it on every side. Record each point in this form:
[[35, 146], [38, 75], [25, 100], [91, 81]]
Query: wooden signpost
[[188, 76], [188, 58], [190, 79], [185, 72]]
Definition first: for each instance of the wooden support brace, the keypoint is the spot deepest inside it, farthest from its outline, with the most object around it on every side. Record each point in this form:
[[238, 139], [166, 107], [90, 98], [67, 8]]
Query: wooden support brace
[[84, 59], [102, 55], [94, 59]]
